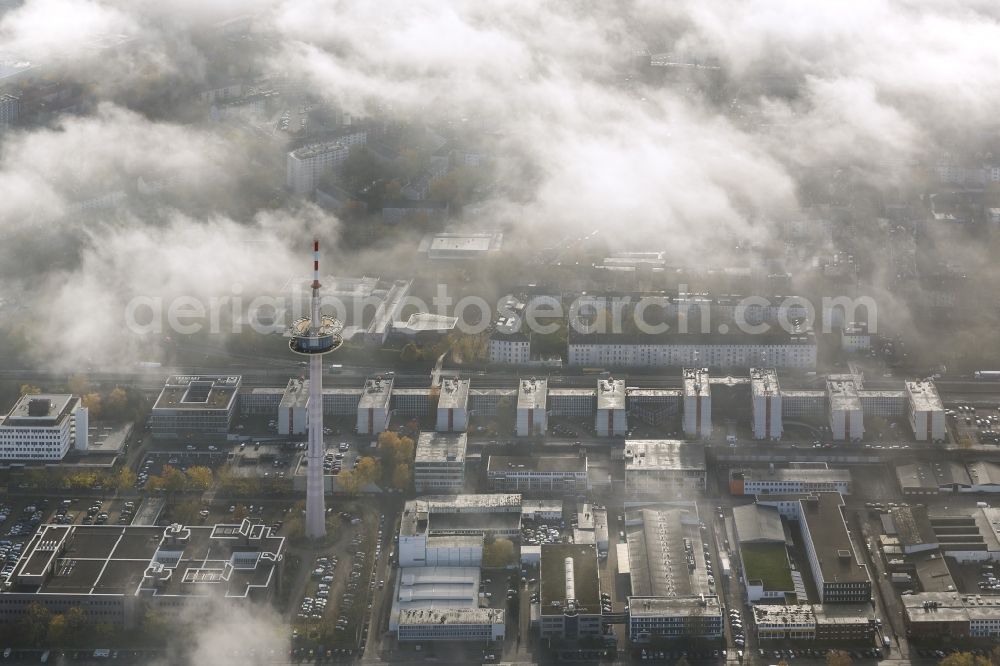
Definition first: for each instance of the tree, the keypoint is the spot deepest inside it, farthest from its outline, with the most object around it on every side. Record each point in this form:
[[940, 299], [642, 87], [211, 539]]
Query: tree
[[56, 634], [395, 450], [838, 658], [122, 479], [498, 553], [402, 475], [410, 354], [349, 482], [35, 624], [78, 384], [200, 477], [367, 471], [76, 624], [964, 659], [28, 389], [118, 398], [186, 512], [170, 479], [92, 401], [995, 656]]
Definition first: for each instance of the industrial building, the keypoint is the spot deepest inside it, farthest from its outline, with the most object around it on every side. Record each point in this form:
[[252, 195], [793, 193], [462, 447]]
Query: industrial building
[[532, 399], [610, 420], [766, 414], [925, 411], [195, 406], [664, 468], [44, 427], [697, 419], [475, 246], [931, 478], [846, 414], [670, 594], [764, 565], [429, 525], [373, 408], [115, 574], [569, 592], [796, 478], [436, 603], [439, 462], [453, 405], [932, 616], [539, 474]]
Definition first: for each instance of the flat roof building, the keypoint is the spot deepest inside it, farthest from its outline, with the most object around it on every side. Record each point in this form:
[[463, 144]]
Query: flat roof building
[[373, 408], [925, 411], [195, 406], [611, 419], [453, 405], [791, 479], [697, 418], [846, 414], [664, 467], [532, 401], [766, 416], [461, 245], [44, 427], [569, 592], [117, 573], [439, 462], [839, 574], [442, 604], [558, 474], [946, 615]]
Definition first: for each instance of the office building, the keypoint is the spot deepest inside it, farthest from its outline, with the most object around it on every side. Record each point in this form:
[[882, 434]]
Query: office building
[[195, 407], [373, 408], [44, 427], [697, 419], [846, 414], [428, 519], [307, 165], [439, 462], [796, 478], [925, 411], [611, 419], [935, 616], [655, 619], [532, 399], [838, 572], [537, 474], [766, 395], [453, 405]]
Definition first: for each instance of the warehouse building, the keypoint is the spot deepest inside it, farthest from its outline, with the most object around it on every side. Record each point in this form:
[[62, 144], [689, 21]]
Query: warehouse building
[[611, 419], [453, 405], [532, 399], [664, 468], [195, 407], [537, 474], [931, 478], [925, 411], [671, 596], [442, 604], [764, 565], [766, 396], [44, 427], [569, 592], [697, 419], [439, 462], [373, 407]]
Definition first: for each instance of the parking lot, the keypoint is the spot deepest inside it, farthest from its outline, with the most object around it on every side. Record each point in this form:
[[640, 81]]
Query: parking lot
[[974, 425]]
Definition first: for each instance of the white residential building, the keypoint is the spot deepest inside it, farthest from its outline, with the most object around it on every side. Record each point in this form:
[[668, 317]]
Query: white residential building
[[846, 415], [307, 165]]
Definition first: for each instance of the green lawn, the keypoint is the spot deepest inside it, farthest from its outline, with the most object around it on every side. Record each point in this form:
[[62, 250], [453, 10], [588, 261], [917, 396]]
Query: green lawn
[[768, 563]]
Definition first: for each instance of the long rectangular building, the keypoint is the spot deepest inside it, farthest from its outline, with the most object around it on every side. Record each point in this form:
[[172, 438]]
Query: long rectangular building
[[44, 427], [838, 572], [791, 479], [195, 406], [540, 474], [766, 396], [925, 411], [532, 401]]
